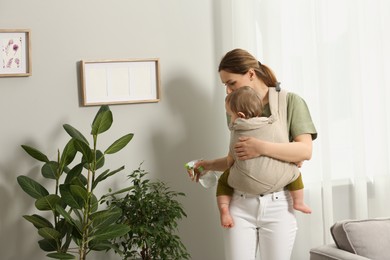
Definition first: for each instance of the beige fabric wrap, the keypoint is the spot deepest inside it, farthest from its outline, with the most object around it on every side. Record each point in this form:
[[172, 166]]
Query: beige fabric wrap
[[262, 175]]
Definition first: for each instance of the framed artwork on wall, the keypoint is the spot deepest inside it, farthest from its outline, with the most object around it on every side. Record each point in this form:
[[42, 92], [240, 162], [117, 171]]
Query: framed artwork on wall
[[120, 81], [15, 53]]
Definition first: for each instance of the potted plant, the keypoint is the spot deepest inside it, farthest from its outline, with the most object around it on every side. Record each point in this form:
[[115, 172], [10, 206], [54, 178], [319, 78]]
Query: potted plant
[[76, 225], [151, 211]]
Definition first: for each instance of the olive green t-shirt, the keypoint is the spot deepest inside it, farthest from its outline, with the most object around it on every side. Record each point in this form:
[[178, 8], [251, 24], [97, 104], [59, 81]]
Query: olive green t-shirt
[[298, 117]]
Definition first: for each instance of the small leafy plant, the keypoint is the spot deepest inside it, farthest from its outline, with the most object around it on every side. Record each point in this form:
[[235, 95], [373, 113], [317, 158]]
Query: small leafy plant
[[76, 225], [151, 211]]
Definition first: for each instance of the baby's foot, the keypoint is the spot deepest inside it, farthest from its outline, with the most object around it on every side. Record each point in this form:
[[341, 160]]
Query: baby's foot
[[302, 207], [226, 218]]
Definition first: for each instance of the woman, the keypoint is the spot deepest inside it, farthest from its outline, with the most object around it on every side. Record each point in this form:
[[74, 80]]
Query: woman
[[264, 222]]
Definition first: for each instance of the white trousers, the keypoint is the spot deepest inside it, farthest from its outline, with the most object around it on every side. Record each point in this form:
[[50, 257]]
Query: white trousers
[[261, 223]]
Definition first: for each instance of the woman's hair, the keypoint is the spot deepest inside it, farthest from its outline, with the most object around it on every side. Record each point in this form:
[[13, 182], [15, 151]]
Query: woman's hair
[[245, 100], [240, 61]]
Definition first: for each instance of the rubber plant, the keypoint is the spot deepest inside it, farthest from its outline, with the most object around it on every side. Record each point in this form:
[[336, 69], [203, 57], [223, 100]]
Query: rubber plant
[[75, 225]]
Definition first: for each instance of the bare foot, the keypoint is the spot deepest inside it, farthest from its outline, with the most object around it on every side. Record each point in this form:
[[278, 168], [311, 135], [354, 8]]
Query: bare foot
[[226, 218], [302, 207]]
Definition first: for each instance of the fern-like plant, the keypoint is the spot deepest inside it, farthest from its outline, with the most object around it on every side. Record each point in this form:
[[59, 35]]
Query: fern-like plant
[[76, 225]]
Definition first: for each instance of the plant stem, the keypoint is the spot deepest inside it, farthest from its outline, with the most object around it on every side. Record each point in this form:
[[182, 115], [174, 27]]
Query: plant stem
[[84, 240], [87, 208]]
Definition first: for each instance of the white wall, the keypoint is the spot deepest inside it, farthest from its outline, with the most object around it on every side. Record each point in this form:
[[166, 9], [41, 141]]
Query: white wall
[[187, 123]]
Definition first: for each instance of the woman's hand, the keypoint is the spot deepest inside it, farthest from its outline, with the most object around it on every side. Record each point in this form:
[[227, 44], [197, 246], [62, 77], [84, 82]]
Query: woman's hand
[[247, 148], [198, 169], [201, 167]]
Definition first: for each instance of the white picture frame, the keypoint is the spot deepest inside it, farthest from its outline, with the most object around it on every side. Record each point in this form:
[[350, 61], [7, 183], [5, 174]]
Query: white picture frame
[[120, 81]]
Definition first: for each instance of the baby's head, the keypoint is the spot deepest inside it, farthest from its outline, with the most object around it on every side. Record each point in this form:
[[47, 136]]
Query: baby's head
[[244, 102]]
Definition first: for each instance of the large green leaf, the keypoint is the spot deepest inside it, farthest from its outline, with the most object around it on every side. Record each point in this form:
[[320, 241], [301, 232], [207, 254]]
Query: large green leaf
[[73, 132], [80, 181], [68, 154], [71, 198], [100, 178], [49, 170], [31, 187], [79, 215], [67, 217], [102, 109], [65, 214], [94, 203], [102, 121], [64, 228], [38, 221], [35, 153], [110, 232], [49, 233], [105, 175], [75, 172], [79, 192], [105, 217], [61, 256], [100, 159], [85, 150], [101, 245], [48, 202], [77, 235], [48, 245], [119, 144]]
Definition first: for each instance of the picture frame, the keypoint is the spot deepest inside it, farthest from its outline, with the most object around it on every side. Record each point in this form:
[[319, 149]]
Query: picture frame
[[15, 52], [120, 81]]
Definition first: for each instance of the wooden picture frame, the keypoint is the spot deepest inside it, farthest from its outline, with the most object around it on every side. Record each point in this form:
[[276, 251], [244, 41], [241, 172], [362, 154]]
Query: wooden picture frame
[[15, 53], [120, 81]]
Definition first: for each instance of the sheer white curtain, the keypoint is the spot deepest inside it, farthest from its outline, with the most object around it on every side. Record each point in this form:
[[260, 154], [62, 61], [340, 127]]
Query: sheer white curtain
[[336, 55]]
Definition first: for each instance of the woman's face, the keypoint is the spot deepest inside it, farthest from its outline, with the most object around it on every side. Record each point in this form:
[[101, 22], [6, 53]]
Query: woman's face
[[234, 81]]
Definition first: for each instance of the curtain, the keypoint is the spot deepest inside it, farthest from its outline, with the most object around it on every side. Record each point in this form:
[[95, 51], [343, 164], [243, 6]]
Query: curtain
[[336, 55]]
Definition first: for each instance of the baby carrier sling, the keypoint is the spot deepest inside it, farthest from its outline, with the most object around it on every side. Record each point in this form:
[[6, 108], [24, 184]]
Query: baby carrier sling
[[262, 175]]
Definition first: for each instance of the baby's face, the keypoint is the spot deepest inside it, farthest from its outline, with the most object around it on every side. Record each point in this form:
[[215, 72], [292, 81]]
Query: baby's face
[[233, 116]]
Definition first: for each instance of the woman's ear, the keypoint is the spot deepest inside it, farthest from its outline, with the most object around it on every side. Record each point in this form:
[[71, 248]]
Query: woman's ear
[[241, 115], [252, 74]]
